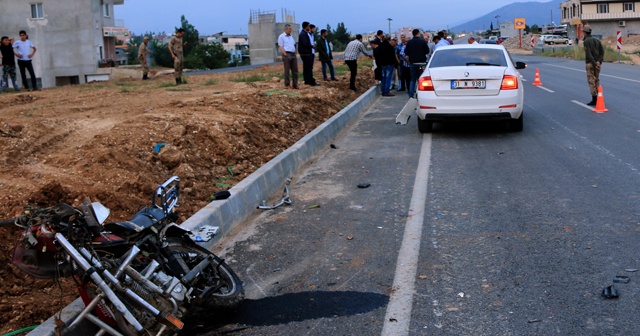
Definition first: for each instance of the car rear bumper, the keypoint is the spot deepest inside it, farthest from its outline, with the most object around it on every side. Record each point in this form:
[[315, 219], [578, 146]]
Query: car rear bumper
[[470, 108]]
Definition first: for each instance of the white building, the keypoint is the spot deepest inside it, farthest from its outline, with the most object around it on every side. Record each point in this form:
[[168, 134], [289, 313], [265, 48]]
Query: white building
[[73, 37]]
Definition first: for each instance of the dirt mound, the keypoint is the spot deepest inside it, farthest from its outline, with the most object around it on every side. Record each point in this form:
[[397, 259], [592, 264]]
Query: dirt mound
[[114, 142]]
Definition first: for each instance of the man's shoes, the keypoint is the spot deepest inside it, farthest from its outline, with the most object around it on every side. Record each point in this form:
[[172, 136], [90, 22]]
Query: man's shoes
[[333, 79], [296, 88], [388, 95], [402, 89], [354, 89], [594, 100], [393, 86], [324, 79]]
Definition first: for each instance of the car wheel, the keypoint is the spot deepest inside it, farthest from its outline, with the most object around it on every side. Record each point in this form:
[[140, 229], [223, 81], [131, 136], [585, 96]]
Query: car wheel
[[516, 125], [551, 42], [425, 126], [566, 42]]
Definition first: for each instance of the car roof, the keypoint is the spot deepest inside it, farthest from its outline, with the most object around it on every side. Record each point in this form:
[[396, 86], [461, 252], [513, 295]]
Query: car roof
[[472, 46]]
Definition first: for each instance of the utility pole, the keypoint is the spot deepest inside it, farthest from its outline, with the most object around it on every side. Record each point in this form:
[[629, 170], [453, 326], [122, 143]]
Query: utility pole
[[389, 19]]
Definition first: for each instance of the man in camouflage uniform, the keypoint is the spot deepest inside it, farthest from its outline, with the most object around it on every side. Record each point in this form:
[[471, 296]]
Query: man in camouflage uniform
[[142, 57], [175, 48], [594, 55]]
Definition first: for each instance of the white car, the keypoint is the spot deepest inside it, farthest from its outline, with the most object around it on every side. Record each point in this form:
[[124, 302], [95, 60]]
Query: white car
[[470, 82]]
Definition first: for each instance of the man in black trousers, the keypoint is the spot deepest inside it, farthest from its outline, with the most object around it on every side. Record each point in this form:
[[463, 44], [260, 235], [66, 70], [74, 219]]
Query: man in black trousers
[[305, 49]]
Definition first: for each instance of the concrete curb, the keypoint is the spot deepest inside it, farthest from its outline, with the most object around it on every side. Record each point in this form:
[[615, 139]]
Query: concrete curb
[[248, 194]]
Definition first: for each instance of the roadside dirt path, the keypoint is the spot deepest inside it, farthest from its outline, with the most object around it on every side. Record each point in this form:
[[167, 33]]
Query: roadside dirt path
[[97, 140]]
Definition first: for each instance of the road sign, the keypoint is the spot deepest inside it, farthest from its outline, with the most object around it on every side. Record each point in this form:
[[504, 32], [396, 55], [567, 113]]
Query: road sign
[[619, 41], [533, 41], [519, 23]]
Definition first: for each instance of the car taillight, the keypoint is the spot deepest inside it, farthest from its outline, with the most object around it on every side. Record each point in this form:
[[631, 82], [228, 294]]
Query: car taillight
[[509, 82], [425, 84]]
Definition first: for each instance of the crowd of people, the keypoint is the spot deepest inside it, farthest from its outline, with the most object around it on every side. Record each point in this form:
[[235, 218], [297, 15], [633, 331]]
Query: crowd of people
[[394, 61], [22, 49]]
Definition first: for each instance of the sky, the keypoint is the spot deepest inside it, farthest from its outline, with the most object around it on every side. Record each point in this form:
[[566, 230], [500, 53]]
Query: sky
[[232, 17]]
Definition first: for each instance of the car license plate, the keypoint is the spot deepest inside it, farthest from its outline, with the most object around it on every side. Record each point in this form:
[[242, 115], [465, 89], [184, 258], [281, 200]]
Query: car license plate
[[468, 84]]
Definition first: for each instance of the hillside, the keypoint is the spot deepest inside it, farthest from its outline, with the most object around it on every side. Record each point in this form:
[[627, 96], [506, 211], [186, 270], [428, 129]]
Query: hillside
[[540, 13]]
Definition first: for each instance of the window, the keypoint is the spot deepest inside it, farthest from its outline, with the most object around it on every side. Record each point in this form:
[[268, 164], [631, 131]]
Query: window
[[603, 8], [105, 9], [629, 7], [36, 11]]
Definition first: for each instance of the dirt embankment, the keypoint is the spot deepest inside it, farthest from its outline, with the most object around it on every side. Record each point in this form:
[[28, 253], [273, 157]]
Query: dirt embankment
[[100, 140]]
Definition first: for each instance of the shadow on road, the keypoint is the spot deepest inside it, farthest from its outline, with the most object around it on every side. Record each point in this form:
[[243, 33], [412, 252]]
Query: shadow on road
[[283, 309]]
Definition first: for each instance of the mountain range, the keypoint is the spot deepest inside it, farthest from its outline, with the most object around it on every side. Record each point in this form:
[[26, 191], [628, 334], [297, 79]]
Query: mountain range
[[539, 13]]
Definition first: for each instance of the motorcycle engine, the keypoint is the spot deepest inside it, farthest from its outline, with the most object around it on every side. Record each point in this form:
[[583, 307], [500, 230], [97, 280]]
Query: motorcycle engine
[[169, 284]]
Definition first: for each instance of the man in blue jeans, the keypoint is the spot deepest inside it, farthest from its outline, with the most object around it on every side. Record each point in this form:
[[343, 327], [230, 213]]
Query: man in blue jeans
[[415, 53], [24, 50], [387, 58]]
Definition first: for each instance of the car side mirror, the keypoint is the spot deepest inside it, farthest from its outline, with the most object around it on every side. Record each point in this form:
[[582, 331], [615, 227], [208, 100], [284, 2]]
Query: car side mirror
[[521, 65]]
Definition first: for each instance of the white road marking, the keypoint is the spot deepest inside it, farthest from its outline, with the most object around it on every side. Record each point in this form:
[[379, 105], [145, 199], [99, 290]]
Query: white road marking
[[583, 105], [601, 74], [398, 316], [544, 88]]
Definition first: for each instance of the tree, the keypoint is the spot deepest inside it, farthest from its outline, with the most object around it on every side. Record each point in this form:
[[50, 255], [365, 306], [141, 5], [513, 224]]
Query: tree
[[191, 35], [341, 34], [208, 56], [491, 26], [535, 29]]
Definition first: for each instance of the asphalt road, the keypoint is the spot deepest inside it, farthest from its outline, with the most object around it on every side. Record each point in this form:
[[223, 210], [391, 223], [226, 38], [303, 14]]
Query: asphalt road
[[471, 230]]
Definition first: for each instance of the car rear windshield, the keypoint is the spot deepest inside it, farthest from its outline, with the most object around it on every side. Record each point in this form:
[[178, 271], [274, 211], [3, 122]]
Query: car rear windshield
[[468, 57]]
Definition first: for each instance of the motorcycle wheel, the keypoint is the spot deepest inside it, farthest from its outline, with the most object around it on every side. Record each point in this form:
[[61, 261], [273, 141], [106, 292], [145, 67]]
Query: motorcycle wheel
[[219, 286]]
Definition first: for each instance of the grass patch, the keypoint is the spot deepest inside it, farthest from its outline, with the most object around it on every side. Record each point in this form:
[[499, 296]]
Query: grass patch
[[577, 53], [126, 84], [124, 90], [248, 79], [179, 88], [340, 69], [168, 84], [368, 62], [211, 82]]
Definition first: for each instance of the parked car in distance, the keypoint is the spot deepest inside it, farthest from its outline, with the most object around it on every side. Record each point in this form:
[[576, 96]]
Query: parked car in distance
[[488, 41], [557, 39], [501, 39], [470, 82]]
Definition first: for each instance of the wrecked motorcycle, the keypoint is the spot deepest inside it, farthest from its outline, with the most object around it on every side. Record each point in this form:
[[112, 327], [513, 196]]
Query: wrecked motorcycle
[[142, 276]]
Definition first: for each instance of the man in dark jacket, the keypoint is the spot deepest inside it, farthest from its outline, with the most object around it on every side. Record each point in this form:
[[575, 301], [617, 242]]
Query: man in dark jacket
[[324, 55], [594, 55], [387, 61], [305, 49], [415, 52]]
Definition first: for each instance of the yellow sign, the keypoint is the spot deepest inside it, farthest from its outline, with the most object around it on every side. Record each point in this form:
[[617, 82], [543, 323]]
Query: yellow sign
[[520, 23]]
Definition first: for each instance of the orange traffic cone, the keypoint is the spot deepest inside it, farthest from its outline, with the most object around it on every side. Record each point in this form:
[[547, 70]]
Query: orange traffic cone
[[537, 81], [600, 102]]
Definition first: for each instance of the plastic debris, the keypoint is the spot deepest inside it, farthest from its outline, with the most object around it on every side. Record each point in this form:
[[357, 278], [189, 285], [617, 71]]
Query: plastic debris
[[631, 269], [220, 195], [621, 279], [314, 206], [333, 146], [610, 292], [534, 320], [364, 185], [350, 238], [285, 199], [159, 146]]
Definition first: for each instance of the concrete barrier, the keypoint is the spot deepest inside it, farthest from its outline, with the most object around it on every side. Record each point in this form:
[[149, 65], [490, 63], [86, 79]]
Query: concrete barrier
[[246, 195]]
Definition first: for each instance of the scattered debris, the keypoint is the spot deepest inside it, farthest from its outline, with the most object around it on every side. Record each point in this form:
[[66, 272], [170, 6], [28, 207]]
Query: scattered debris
[[314, 206], [204, 234], [631, 269], [534, 320], [159, 146], [285, 199], [461, 294], [333, 146], [220, 195], [364, 185], [610, 292], [621, 279]]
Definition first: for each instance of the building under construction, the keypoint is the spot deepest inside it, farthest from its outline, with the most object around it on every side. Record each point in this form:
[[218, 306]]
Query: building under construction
[[264, 32]]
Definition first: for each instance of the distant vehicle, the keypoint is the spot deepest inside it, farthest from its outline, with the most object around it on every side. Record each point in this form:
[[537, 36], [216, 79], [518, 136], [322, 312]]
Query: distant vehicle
[[544, 37], [493, 38], [501, 39], [557, 39], [488, 41]]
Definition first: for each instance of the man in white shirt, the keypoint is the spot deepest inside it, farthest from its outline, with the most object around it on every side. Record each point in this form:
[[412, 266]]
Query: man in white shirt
[[24, 51], [472, 40], [287, 47]]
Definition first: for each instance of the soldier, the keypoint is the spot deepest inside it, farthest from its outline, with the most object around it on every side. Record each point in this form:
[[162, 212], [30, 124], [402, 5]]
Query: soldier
[[594, 55], [142, 57], [175, 48]]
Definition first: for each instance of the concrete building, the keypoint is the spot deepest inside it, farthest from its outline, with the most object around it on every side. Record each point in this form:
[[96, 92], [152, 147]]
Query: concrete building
[[264, 32], [73, 37], [605, 17]]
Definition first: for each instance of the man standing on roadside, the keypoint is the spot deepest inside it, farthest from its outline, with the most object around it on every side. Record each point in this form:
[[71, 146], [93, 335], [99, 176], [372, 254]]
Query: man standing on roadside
[[175, 48], [305, 49], [387, 61], [405, 78], [594, 55], [472, 40], [287, 47], [23, 50], [351, 53], [416, 53], [325, 56], [142, 57], [8, 63]]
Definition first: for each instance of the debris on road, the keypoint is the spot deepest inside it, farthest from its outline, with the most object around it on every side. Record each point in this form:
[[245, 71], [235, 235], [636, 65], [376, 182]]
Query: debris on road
[[610, 292], [621, 279], [364, 185], [333, 146], [285, 199]]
